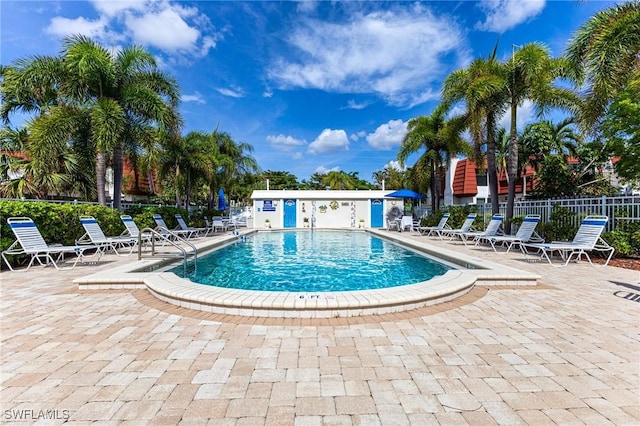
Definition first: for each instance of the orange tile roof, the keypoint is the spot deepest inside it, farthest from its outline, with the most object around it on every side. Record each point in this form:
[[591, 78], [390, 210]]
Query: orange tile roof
[[464, 179]]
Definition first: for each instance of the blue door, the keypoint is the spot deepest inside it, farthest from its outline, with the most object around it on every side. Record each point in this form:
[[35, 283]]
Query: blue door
[[289, 213], [377, 217]]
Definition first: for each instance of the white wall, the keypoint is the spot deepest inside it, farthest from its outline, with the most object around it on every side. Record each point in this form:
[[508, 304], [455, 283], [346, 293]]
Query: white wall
[[344, 209]]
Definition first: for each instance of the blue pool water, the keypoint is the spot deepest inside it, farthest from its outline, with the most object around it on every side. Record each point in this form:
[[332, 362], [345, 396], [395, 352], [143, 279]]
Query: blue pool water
[[318, 261]]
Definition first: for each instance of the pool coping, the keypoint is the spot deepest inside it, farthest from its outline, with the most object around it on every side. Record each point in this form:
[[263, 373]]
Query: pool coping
[[170, 288]]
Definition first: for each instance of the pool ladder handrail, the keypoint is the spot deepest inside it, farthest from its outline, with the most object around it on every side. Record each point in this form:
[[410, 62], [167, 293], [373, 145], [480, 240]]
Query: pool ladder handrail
[[164, 234]]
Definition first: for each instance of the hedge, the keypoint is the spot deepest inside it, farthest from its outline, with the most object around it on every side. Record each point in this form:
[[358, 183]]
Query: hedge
[[60, 223]]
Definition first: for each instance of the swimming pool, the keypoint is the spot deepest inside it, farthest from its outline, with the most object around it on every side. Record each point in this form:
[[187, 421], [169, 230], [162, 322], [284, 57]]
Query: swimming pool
[[319, 261]]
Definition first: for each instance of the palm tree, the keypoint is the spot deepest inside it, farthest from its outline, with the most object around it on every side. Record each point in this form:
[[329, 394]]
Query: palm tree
[[338, 180], [481, 88], [94, 100], [529, 75], [545, 138], [233, 161], [606, 50], [186, 160], [126, 95], [439, 139]]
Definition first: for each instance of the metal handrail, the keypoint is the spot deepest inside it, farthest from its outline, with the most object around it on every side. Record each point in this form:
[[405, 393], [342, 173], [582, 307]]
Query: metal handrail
[[173, 240]]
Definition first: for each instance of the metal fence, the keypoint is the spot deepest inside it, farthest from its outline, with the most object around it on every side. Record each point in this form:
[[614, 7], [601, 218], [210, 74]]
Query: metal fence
[[125, 205], [619, 209]]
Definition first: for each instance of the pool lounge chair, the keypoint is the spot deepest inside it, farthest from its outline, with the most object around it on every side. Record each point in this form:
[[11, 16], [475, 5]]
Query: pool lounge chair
[[194, 232], [437, 230], [587, 239], [95, 236], [161, 227], [29, 241], [466, 227], [526, 234], [493, 229], [132, 230]]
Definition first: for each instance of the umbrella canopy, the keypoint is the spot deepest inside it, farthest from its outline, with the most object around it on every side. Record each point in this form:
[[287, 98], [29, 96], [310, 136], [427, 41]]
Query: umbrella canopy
[[222, 203], [405, 193]]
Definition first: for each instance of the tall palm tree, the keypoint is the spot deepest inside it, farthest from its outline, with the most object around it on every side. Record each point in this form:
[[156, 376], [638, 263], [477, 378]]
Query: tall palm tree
[[529, 75], [186, 160], [606, 50], [126, 94], [233, 161], [481, 88], [439, 140], [95, 100]]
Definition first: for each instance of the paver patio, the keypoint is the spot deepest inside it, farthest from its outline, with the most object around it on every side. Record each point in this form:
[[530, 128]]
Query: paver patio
[[566, 352]]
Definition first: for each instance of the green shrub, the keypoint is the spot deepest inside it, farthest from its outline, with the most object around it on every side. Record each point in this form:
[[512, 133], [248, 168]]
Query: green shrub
[[620, 241], [559, 227], [60, 223]]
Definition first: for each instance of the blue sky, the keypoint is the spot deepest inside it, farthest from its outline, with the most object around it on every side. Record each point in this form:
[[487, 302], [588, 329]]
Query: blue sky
[[313, 86]]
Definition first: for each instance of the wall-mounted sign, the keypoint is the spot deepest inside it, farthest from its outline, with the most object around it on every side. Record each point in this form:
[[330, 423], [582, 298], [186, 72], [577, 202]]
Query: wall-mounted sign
[[267, 206]]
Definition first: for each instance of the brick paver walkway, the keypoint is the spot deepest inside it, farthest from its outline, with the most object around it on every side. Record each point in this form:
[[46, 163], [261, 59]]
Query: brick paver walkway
[[565, 353]]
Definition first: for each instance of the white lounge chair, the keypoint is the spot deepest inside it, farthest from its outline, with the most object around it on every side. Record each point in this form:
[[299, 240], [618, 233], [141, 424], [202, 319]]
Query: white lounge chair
[[586, 239], [29, 241], [526, 234], [95, 236], [161, 227], [466, 227], [437, 230], [132, 230], [493, 228], [193, 232]]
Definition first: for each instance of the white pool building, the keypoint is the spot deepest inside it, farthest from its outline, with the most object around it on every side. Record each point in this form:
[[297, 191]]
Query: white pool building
[[323, 209]]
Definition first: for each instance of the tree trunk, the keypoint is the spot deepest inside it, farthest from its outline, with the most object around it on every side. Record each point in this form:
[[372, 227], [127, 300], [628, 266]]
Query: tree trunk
[[187, 190], [177, 187], [210, 198], [118, 169], [492, 174], [512, 170], [434, 205], [101, 169]]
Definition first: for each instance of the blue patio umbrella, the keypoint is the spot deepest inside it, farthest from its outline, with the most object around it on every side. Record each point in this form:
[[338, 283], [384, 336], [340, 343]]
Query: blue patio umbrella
[[405, 193], [222, 203]]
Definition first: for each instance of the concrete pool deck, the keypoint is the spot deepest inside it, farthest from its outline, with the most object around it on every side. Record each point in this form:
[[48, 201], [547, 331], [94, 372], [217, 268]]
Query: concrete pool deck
[[564, 352]]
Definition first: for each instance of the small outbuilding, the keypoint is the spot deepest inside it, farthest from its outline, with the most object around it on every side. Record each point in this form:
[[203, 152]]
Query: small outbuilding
[[323, 209]]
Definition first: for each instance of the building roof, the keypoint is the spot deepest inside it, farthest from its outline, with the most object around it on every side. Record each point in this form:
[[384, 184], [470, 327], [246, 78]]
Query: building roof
[[464, 179]]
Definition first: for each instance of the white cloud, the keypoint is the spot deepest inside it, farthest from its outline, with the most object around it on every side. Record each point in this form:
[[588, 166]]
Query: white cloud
[[356, 136], [329, 141], [323, 170], [170, 27], [394, 164], [64, 26], [352, 104], [502, 15], [112, 8], [526, 114], [196, 97], [396, 54], [285, 143], [231, 92], [164, 29], [388, 136]]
